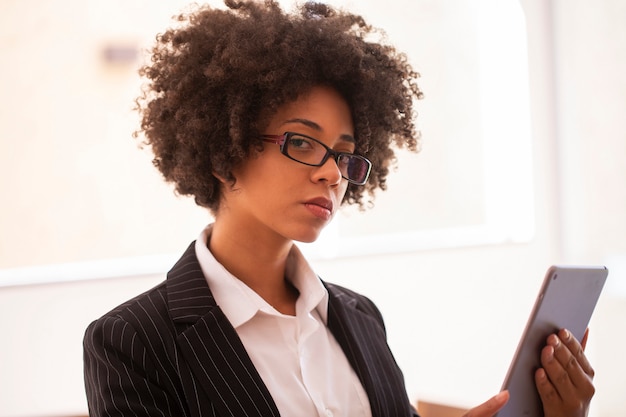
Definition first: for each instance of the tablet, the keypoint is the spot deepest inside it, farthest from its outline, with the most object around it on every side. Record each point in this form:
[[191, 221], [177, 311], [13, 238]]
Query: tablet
[[567, 299]]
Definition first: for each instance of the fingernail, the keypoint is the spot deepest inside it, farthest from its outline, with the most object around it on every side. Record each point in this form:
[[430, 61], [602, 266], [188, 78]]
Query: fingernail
[[499, 396], [566, 334], [554, 340]]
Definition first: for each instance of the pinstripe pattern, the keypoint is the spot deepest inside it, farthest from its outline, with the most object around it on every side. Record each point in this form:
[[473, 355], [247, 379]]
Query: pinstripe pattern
[[172, 352], [358, 327]]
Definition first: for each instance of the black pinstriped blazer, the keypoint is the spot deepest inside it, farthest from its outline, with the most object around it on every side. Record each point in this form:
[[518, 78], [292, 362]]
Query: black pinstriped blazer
[[172, 352]]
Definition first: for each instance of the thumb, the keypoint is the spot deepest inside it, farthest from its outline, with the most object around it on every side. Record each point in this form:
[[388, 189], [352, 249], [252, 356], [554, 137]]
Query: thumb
[[489, 407], [583, 342]]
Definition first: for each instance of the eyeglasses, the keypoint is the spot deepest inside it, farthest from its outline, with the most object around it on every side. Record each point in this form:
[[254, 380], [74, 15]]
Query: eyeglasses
[[310, 151]]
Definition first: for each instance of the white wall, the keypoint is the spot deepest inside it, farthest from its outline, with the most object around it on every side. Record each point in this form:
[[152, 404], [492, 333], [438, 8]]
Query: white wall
[[454, 315]]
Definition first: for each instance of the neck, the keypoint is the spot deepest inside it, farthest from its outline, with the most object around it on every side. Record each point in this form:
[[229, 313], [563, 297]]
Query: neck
[[256, 260]]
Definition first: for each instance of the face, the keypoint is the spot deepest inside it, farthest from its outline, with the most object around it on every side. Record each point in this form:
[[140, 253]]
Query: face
[[284, 199]]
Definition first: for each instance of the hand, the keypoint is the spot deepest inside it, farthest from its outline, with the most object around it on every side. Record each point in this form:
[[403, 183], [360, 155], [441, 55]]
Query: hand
[[565, 381], [489, 407]]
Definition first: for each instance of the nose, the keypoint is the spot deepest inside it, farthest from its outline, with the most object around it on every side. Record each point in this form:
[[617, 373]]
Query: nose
[[329, 172]]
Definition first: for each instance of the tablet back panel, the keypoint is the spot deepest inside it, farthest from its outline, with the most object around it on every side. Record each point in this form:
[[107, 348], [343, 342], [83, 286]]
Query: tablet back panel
[[567, 299]]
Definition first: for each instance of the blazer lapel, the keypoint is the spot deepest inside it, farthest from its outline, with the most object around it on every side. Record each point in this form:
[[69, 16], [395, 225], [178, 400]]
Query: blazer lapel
[[363, 340], [211, 347]]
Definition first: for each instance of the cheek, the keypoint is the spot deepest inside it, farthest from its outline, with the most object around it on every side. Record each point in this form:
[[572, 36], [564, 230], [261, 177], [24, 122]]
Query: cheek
[[342, 189], [263, 175]]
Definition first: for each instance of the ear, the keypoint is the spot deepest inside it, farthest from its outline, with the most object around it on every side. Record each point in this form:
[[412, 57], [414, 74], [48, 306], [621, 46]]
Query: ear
[[220, 178], [226, 185]]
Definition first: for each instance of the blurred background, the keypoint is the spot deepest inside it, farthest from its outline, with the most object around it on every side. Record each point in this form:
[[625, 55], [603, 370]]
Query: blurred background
[[522, 166]]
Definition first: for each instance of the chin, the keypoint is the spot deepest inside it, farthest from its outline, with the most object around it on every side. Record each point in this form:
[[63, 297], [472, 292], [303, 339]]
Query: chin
[[307, 236]]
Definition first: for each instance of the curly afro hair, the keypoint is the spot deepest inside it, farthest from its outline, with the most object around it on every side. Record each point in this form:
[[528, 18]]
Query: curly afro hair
[[216, 77]]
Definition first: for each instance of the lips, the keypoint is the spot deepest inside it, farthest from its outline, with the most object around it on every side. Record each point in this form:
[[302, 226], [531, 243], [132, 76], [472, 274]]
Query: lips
[[322, 202], [321, 207]]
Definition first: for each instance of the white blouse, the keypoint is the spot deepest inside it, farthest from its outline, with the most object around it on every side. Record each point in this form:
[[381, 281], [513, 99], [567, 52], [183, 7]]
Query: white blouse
[[298, 358]]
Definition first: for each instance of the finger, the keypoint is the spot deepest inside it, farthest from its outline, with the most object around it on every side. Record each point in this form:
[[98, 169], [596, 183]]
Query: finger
[[553, 403], [577, 350], [550, 397], [564, 371], [554, 371], [554, 359], [562, 384], [489, 407]]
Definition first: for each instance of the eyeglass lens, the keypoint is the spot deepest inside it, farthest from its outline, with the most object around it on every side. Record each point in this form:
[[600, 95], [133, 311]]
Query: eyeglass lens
[[312, 152]]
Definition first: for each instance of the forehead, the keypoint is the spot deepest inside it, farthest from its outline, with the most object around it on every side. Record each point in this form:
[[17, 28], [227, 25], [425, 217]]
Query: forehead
[[318, 109]]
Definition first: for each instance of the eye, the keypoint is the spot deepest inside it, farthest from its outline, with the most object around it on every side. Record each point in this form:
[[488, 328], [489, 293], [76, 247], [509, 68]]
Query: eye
[[344, 160], [299, 143]]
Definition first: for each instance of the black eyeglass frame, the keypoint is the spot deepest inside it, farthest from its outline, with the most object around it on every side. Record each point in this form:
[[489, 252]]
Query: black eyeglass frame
[[283, 140]]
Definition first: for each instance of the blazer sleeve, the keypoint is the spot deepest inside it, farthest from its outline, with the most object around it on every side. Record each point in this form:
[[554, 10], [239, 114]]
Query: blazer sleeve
[[122, 377]]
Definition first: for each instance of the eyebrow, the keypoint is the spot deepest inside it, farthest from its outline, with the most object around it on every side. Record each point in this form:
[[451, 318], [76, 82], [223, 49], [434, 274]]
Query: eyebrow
[[315, 126]]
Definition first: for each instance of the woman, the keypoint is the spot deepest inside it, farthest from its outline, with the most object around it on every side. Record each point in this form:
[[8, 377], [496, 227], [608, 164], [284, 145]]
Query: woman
[[271, 121]]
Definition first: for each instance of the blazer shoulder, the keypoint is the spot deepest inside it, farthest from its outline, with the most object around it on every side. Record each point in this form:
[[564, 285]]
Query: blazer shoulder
[[183, 296], [141, 324], [155, 297], [351, 298]]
